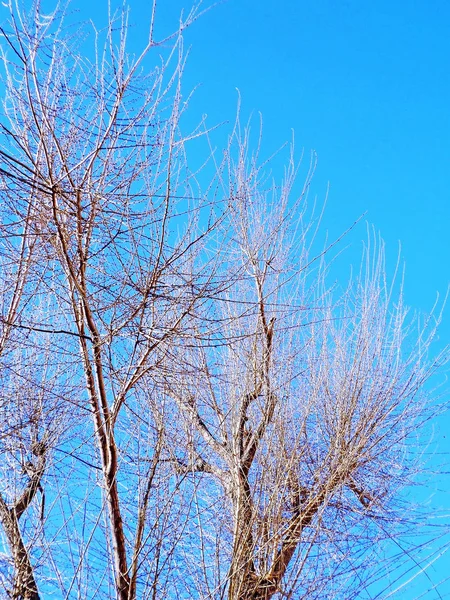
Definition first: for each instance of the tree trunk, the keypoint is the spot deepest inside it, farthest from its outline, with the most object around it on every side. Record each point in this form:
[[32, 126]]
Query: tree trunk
[[25, 587]]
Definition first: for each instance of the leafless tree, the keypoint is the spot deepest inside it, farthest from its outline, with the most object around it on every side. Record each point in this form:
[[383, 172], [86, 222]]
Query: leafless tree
[[301, 403], [92, 151], [190, 410]]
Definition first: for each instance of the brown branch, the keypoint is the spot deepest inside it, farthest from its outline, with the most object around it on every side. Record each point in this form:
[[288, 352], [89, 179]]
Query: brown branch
[[34, 473], [43, 329], [188, 407], [108, 454], [366, 498], [25, 587], [142, 514]]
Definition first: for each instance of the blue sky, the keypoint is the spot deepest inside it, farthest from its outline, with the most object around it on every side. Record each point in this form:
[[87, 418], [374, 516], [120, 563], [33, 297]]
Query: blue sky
[[366, 85]]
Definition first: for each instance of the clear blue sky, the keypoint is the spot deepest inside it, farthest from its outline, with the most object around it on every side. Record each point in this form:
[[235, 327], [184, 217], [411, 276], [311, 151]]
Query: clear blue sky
[[364, 85], [367, 86]]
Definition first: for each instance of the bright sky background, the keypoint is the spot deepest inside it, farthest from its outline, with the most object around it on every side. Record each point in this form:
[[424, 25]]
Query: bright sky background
[[366, 85]]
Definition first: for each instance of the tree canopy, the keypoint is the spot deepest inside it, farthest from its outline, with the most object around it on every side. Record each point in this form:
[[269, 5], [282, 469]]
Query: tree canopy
[[191, 408]]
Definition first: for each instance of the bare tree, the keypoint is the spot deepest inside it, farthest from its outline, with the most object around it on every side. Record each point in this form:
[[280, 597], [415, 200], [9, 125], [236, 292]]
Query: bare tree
[[92, 150], [22, 437], [302, 401], [203, 415]]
